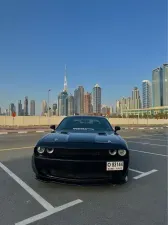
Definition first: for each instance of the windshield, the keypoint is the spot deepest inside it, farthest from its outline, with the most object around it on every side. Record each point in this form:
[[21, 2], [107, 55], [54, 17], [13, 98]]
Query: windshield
[[85, 123]]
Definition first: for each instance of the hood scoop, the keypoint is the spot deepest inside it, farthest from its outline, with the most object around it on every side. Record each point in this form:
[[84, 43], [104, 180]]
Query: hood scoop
[[64, 132], [102, 134]]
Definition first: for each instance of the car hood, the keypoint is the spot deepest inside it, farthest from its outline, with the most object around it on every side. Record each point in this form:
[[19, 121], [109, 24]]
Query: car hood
[[73, 137]]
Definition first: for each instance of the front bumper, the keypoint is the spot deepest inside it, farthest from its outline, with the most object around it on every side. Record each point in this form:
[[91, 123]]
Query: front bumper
[[76, 171]]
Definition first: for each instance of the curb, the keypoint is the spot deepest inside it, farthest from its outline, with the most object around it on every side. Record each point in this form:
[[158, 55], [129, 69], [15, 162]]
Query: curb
[[43, 131]]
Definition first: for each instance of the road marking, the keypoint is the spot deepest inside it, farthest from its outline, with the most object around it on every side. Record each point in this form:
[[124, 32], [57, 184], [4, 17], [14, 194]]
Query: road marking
[[152, 139], [145, 174], [137, 171], [151, 153], [40, 131], [22, 132], [35, 195], [147, 143], [48, 213], [3, 132], [18, 148]]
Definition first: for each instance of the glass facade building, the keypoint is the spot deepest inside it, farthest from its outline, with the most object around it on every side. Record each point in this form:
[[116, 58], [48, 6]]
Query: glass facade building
[[146, 94]]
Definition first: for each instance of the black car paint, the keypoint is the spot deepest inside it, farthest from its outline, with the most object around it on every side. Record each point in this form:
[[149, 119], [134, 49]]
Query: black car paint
[[88, 161]]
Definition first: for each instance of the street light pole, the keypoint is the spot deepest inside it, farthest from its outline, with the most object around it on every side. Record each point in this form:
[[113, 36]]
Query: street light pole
[[48, 104]]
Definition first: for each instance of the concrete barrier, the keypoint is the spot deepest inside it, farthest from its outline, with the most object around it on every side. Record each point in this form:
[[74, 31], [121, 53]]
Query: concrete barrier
[[43, 121]]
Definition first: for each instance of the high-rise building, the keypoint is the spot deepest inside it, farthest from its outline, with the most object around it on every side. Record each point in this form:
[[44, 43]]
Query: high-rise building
[[165, 84], [70, 105], [20, 110], [118, 107], [128, 103], [63, 104], [123, 104], [54, 109], [136, 99], [32, 108], [87, 103], [105, 110], [26, 112], [79, 100], [44, 107], [12, 109], [96, 99], [157, 87], [146, 94]]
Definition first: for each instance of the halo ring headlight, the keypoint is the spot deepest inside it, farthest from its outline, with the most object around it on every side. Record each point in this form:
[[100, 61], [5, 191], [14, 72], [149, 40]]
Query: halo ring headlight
[[40, 150], [122, 152], [50, 150], [112, 152]]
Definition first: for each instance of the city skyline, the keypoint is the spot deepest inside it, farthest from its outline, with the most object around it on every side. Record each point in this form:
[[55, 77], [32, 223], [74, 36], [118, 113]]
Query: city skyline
[[84, 102]]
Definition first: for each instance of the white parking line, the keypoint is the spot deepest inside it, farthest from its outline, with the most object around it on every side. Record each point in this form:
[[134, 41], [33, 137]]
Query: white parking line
[[151, 153], [142, 143], [145, 174], [34, 194], [48, 213], [17, 148], [22, 132], [152, 139], [137, 171]]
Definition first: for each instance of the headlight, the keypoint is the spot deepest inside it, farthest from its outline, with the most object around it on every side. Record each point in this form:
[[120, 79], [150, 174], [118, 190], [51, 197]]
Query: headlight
[[122, 152], [40, 150], [112, 152], [50, 150]]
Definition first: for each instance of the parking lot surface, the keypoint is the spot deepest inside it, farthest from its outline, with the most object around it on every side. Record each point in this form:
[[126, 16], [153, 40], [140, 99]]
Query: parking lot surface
[[142, 201]]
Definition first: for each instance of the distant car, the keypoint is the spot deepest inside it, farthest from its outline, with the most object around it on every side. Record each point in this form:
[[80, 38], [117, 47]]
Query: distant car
[[82, 149]]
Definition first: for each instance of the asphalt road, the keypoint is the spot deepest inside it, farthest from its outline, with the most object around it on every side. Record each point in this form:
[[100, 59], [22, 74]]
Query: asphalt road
[[142, 201]]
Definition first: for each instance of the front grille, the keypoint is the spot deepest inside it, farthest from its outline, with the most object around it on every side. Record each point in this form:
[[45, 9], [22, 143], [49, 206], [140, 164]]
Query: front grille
[[89, 154]]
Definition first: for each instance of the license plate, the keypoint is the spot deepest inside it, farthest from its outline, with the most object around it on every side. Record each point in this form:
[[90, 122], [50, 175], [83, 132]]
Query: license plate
[[110, 166]]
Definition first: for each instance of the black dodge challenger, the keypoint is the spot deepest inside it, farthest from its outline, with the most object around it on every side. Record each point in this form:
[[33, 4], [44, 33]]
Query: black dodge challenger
[[82, 149]]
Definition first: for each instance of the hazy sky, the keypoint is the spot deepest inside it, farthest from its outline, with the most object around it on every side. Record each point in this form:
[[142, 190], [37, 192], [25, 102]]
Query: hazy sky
[[110, 42]]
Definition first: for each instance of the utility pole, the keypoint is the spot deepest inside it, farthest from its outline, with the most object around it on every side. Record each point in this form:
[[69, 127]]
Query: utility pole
[[48, 104]]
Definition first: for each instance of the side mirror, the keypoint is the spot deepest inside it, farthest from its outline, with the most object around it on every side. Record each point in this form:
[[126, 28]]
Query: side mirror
[[52, 127], [117, 128]]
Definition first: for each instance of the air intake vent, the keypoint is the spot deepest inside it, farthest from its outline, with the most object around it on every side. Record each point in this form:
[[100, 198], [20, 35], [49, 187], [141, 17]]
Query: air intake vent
[[64, 132], [102, 134]]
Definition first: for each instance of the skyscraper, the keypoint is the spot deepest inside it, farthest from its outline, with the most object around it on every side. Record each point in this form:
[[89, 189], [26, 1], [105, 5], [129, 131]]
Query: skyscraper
[[63, 104], [97, 99], [146, 94], [26, 106], [87, 103], [11, 109], [32, 108], [79, 100], [20, 110], [54, 109], [128, 103], [136, 100], [157, 87], [76, 96], [65, 80], [165, 84], [63, 99], [70, 105], [44, 107]]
